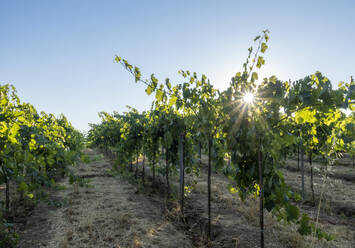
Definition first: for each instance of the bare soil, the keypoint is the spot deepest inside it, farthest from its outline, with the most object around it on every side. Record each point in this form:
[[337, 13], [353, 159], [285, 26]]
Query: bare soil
[[338, 191], [116, 212], [112, 213], [238, 221], [342, 168]]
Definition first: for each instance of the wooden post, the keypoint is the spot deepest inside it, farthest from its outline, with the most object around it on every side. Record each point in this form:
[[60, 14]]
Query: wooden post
[[310, 163], [200, 153], [153, 172], [7, 191], [136, 172], [7, 194], [167, 170], [298, 157], [182, 170], [261, 194], [302, 169], [143, 170], [131, 165], [209, 187]]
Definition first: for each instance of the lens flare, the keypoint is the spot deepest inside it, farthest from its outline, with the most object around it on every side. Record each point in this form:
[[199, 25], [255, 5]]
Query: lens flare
[[248, 98]]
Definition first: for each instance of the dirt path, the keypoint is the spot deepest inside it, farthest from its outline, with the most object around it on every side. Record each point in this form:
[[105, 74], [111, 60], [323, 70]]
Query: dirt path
[[115, 213], [110, 214]]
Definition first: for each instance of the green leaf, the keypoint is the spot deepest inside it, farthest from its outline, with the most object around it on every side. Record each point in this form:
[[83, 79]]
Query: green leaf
[[254, 76], [23, 186], [292, 212], [117, 59], [14, 129], [305, 116], [149, 90], [260, 62], [168, 84], [315, 79], [267, 37], [305, 227], [154, 81], [273, 79], [159, 95], [172, 100], [263, 47], [137, 74], [30, 196], [127, 65]]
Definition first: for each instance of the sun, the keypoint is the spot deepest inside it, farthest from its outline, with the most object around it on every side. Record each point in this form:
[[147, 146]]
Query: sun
[[248, 98]]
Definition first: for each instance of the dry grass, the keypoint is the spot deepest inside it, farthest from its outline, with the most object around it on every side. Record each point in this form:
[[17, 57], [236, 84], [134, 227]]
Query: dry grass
[[115, 214], [291, 238], [284, 235], [111, 214]]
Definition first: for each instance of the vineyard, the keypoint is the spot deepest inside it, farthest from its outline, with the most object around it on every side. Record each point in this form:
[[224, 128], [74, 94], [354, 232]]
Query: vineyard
[[254, 127], [264, 163], [36, 150]]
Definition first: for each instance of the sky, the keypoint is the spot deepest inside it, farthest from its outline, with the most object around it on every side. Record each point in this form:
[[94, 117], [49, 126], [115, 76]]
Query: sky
[[59, 54]]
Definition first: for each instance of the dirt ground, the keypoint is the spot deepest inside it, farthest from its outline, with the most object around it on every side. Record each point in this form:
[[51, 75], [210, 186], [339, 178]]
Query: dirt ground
[[338, 192], [240, 220], [117, 213], [338, 195], [112, 213]]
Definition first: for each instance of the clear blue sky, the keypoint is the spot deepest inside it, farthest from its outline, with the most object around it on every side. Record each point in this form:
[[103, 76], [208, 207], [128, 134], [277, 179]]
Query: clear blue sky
[[59, 54]]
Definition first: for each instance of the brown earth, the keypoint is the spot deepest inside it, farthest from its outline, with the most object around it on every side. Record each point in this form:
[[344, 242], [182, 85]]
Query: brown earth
[[233, 214], [110, 214], [117, 213], [338, 191]]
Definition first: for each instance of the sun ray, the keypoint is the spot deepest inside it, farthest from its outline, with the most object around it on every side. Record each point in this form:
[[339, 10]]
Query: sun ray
[[248, 98]]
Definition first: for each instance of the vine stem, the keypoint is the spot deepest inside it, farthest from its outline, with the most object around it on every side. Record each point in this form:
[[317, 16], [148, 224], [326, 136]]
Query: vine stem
[[255, 56], [319, 204]]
